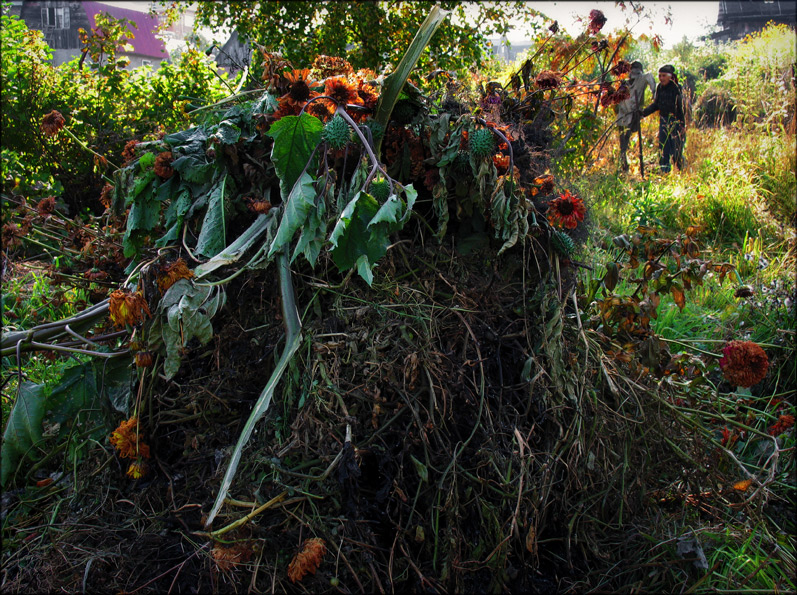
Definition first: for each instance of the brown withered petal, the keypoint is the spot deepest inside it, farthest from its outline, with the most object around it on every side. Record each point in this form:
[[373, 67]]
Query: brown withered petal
[[173, 273], [46, 206], [308, 560], [52, 123], [163, 165], [548, 79], [596, 21], [743, 291], [744, 363]]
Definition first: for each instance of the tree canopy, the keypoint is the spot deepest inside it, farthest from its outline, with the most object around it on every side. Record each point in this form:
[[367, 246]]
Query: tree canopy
[[368, 34]]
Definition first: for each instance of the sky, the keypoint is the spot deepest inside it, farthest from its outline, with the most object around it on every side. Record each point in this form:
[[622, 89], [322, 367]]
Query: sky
[[691, 19]]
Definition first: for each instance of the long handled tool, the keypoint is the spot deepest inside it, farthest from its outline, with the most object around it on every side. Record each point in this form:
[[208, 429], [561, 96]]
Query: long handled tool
[[639, 137]]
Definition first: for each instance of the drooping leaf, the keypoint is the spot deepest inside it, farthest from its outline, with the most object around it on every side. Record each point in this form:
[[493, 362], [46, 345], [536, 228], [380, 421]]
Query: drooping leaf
[[194, 168], [313, 233], [188, 309], [678, 295], [140, 185], [192, 135], [295, 139], [228, 133], [299, 204], [24, 428], [75, 391], [213, 235]]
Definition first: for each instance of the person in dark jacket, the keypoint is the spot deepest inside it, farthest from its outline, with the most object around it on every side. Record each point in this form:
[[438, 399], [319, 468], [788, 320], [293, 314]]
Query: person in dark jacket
[[669, 102]]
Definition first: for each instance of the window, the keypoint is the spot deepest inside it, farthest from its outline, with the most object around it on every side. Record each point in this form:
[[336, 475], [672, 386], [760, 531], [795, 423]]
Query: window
[[146, 63], [57, 18]]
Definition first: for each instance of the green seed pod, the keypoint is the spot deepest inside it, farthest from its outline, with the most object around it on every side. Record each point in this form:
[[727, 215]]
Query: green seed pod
[[380, 190], [336, 132], [482, 143], [563, 243]]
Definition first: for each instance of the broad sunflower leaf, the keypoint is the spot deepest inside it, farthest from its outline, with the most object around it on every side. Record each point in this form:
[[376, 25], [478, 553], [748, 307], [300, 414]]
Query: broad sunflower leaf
[[194, 168], [295, 139], [192, 135], [313, 234], [23, 430]]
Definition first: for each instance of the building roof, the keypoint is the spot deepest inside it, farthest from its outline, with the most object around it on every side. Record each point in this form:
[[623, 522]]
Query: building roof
[[745, 10], [145, 43]]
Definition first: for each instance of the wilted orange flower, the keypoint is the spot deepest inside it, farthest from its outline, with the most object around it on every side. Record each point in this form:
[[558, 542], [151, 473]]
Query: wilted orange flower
[[258, 206], [596, 21], [566, 210], [326, 66], [163, 165], [126, 308], [287, 107], [341, 91], [299, 91], [743, 363], [105, 196], [127, 441], [227, 558], [784, 423], [501, 162], [548, 79], [46, 206], [100, 162], [545, 184], [52, 123], [172, 273], [321, 109], [12, 236], [308, 560], [138, 469], [129, 152]]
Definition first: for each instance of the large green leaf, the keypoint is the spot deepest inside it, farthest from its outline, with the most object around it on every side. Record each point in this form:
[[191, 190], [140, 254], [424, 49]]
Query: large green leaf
[[313, 233], [213, 235], [24, 428], [194, 168], [295, 139], [192, 135], [76, 390], [299, 204]]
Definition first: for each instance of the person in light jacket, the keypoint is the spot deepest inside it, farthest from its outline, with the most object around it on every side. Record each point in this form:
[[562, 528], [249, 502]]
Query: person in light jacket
[[669, 102], [628, 111]]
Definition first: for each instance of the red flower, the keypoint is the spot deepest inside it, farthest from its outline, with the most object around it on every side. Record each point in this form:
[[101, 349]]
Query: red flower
[[566, 210], [596, 21], [744, 363]]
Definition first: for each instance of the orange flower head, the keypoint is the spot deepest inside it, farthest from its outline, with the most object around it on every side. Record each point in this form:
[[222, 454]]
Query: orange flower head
[[287, 107], [501, 162], [172, 273], [308, 560], [52, 123], [126, 308], [566, 210], [321, 109], [743, 363], [299, 91], [545, 183], [163, 165], [126, 440], [342, 92]]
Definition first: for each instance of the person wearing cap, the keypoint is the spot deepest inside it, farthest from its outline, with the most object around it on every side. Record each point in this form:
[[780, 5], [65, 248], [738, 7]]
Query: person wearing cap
[[669, 102], [628, 111]]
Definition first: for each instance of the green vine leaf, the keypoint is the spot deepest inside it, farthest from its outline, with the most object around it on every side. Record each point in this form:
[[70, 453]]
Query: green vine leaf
[[295, 139], [24, 428]]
